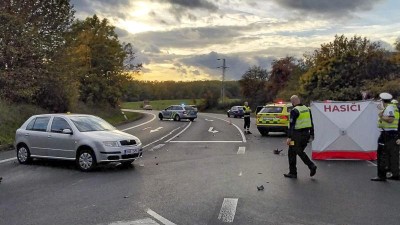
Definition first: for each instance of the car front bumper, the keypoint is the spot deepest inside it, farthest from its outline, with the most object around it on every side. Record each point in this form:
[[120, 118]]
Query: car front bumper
[[120, 154]]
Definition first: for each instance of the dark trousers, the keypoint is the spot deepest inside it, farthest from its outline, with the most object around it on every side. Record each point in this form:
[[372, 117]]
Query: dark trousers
[[300, 143], [246, 122], [388, 154]]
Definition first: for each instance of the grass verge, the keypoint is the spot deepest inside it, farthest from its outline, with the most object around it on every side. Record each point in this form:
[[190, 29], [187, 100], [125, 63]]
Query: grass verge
[[161, 104]]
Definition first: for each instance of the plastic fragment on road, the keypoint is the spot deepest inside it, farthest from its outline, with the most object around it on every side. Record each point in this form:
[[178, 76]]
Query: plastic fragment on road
[[260, 188]]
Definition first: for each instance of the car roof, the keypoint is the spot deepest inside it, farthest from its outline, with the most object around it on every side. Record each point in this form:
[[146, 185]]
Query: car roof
[[279, 104], [63, 114]]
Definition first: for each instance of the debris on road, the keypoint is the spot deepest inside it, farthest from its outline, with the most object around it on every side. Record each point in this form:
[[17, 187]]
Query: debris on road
[[259, 173], [157, 164], [277, 151], [126, 196], [260, 188]]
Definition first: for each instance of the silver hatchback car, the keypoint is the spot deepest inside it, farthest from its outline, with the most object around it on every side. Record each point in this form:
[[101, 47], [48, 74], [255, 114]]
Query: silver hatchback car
[[86, 139]]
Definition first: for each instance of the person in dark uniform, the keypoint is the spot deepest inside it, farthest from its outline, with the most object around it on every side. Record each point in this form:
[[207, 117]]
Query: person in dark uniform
[[388, 149], [301, 131], [246, 117]]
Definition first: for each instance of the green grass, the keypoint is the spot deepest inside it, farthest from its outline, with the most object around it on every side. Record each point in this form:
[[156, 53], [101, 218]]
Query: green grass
[[12, 116], [161, 104]]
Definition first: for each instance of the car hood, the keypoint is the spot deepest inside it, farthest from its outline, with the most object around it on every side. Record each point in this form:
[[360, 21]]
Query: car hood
[[113, 135]]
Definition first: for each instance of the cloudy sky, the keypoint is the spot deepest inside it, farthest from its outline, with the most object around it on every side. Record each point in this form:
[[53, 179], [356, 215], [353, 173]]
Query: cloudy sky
[[182, 39]]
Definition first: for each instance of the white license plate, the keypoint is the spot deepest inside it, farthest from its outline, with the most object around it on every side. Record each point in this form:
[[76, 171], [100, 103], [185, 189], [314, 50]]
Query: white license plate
[[267, 119], [131, 151]]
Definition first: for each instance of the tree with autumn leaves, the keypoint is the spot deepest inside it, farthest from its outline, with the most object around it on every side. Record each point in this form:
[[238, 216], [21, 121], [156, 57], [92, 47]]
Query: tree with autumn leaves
[[339, 70], [50, 59]]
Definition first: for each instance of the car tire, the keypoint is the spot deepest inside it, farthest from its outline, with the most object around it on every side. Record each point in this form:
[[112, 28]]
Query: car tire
[[264, 133], [160, 116], [191, 120], [23, 154], [86, 160], [177, 118], [229, 116]]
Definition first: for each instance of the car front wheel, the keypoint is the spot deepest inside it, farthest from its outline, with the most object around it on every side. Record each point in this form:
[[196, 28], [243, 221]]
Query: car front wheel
[[86, 160], [160, 116], [177, 118], [23, 154]]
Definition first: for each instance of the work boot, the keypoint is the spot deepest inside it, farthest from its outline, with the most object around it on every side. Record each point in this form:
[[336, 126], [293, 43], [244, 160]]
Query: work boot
[[313, 171], [290, 175], [378, 179]]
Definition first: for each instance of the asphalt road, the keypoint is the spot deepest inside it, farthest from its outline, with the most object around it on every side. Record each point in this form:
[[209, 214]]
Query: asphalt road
[[202, 172]]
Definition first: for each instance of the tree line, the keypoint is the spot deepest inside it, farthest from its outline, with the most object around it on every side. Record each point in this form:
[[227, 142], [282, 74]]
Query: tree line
[[51, 59], [339, 70]]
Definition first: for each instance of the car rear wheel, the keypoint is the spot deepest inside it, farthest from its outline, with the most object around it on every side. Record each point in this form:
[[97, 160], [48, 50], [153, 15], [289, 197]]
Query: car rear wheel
[[264, 133], [86, 160], [23, 154], [177, 118], [160, 116], [191, 119], [228, 115]]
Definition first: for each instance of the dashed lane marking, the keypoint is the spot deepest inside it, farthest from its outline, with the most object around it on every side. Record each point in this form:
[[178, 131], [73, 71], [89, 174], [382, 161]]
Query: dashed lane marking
[[146, 221], [241, 150], [159, 218], [190, 123], [228, 210]]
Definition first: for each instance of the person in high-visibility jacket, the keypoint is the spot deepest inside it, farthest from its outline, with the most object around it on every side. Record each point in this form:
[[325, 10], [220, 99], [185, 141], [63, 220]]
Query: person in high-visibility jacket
[[301, 131], [247, 112], [388, 142]]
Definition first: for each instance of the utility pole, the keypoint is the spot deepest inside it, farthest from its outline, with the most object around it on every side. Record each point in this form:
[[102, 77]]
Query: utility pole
[[223, 79]]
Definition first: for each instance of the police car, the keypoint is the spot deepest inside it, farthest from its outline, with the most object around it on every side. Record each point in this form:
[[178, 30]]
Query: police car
[[178, 112], [273, 118]]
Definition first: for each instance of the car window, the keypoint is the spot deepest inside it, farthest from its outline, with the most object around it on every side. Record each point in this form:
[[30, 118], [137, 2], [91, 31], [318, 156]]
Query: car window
[[188, 108], [177, 108], [289, 109], [233, 108], [30, 125], [169, 108], [41, 123], [272, 109], [240, 108], [59, 124], [91, 123]]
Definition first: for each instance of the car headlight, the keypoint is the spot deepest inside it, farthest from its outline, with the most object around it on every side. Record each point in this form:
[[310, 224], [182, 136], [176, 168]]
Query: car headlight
[[138, 142], [111, 143]]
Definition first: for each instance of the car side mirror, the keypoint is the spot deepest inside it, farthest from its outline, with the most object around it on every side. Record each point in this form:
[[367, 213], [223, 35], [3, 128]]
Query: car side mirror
[[67, 131]]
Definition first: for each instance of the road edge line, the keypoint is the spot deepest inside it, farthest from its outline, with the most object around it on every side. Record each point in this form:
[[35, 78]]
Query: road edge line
[[241, 132], [160, 138], [7, 160], [130, 110]]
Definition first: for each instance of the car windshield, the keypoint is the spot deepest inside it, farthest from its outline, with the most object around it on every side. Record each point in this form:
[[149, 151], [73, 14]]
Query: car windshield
[[91, 123], [272, 109]]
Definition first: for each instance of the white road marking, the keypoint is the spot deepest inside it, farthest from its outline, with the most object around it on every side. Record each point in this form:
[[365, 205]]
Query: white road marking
[[212, 131], [7, 160], [130, 128], [146, 128], [159, 218], [155, 130], [241, 150], [209, 120], [157, 147], [370, 162], [179, 132], [228, 210], [146, 221], [161, 138], [241, 132], [206, 141]]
